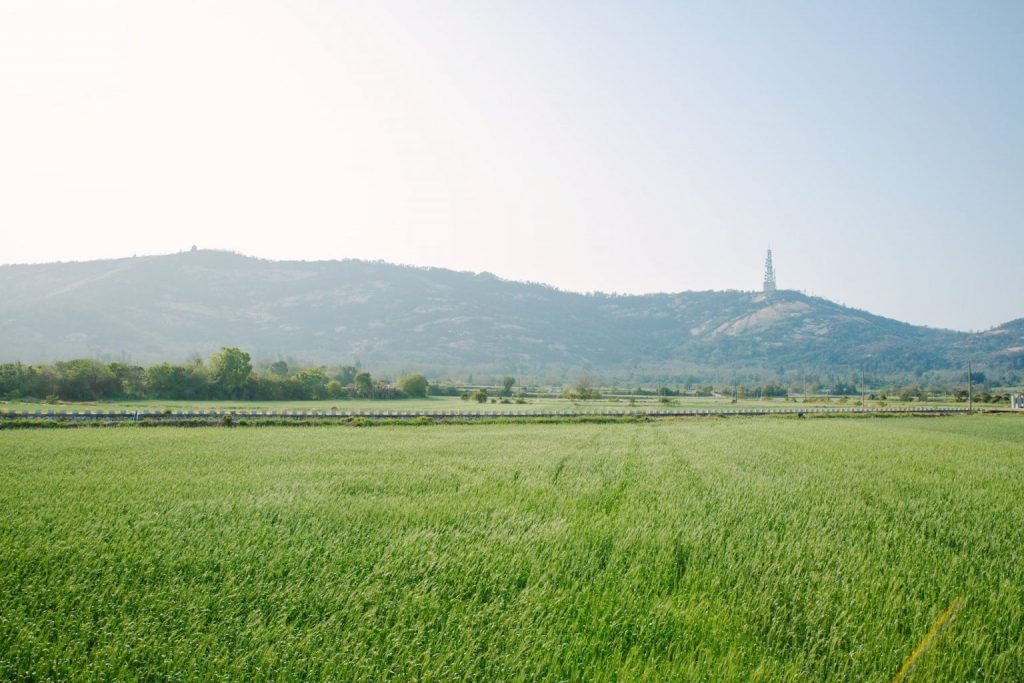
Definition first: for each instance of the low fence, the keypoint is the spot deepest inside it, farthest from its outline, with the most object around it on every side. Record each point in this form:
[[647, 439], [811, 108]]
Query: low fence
[[341, 415]]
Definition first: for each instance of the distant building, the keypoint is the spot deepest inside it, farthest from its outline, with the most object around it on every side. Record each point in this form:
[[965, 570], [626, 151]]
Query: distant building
[[769, 274], [1017, 401]]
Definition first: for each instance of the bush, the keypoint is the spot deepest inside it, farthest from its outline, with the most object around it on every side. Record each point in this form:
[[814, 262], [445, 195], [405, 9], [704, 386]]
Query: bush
[[414, 385]]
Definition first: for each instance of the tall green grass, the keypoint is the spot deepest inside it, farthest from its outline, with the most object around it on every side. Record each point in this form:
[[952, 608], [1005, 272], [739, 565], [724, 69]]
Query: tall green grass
[[688, 550]]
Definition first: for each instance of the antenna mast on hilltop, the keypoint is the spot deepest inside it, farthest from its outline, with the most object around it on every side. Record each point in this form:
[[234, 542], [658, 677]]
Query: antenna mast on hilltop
[[769, 273]]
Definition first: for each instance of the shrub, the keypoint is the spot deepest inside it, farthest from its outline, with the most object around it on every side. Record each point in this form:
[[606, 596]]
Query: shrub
[[414, 385]]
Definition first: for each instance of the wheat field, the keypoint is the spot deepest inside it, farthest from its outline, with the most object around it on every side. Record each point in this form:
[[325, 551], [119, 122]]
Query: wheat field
[[703, 549]]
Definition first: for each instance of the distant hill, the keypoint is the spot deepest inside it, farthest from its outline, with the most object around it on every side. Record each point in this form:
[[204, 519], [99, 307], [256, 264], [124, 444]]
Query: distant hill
[[389, 317]]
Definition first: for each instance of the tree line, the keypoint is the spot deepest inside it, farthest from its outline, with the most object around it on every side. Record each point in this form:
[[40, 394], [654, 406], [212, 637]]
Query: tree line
[[228, 374]]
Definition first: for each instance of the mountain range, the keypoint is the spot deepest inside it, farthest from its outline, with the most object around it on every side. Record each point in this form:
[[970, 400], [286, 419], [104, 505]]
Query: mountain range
[[447, 323]]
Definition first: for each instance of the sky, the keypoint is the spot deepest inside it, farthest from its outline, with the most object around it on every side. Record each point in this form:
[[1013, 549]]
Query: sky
[[877, 147]]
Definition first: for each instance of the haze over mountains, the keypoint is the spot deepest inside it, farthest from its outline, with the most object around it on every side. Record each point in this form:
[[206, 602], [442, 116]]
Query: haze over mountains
[[446, 323]]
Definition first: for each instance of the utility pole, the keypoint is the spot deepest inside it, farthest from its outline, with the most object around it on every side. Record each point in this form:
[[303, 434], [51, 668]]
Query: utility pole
[[970, 388], [863, 389]]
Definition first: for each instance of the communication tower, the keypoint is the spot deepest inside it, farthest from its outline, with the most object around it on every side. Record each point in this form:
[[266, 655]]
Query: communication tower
[[769, 273]]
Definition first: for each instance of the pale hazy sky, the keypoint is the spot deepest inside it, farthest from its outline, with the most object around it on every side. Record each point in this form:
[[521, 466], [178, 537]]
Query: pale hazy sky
[[614, 146]]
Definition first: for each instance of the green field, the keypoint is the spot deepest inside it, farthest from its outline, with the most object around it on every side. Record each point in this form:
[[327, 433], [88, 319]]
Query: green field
[[715, 549]]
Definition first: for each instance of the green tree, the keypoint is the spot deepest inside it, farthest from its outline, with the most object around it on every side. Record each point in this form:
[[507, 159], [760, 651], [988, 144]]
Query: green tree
[[231, 368], [414, 385], [131, 378], [347, 375], [279, 368], [480, 395], [507, 385], [177, 381], [14, 380], [584, 388], [165, 380], [85, 380], [364, 384], [314, 383], [335, 389]]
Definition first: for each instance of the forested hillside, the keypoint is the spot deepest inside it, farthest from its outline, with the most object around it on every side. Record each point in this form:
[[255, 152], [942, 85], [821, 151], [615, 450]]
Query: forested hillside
[[394, 318]]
